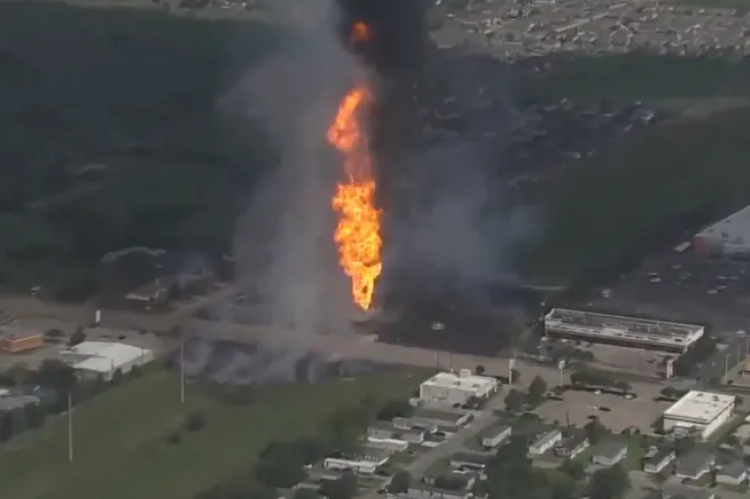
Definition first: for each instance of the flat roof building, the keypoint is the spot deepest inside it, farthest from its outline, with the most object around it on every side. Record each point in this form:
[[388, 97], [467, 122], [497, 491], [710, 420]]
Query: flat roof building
[[726, 237], [620, 330], [700, 412], [105, 358], [15, 339], [451, 388]]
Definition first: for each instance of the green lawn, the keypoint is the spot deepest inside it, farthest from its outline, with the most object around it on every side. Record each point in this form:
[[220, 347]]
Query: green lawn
[[121, 450]]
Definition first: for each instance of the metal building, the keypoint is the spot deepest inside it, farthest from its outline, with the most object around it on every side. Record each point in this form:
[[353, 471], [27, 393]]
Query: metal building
[[730, 236], [450, 388], [620, 330]]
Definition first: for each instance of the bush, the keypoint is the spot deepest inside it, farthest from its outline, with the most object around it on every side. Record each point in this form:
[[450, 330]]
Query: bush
[[174, 438], [195, 422]]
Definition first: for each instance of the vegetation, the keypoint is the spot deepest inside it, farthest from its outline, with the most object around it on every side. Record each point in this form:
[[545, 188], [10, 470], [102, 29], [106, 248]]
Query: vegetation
[[125, 445], [134, 90]]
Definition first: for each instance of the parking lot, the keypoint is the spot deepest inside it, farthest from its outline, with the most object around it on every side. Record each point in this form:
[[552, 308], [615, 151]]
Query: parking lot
[[683, 288], [577, 408]]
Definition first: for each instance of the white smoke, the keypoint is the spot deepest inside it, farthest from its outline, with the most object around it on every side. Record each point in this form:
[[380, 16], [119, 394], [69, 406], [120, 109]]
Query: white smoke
[[284, 245]]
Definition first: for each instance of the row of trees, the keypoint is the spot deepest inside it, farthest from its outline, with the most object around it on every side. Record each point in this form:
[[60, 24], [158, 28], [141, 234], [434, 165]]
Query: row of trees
[[517, 401]]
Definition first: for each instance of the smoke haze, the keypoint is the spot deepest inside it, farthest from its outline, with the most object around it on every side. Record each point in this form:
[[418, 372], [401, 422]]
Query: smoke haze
[[284, 245]]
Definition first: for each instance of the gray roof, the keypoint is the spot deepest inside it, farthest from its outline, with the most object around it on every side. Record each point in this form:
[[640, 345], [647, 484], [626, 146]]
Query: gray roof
[[609, 449], [574, 440], [659, 456], [16, 402], [674, 491], [734, 470], [446, 416], [694, 462]]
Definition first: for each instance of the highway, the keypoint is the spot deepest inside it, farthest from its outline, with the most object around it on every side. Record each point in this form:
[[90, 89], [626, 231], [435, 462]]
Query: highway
[[348, 346]]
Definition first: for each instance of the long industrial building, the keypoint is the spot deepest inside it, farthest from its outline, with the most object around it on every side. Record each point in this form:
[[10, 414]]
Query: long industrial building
[[699, 412], [622, 331], [730, 236]]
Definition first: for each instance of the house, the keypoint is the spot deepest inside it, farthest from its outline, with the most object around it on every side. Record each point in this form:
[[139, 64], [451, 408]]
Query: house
[[545, 442], [572, 446], [365, 460], [150, 296], [695, 464], [610, 453], [426, 492], [495, 436], [468, 460], [381, 430], [658, 459], [428, 418], [411, 436], [390, 444], [733, 474]]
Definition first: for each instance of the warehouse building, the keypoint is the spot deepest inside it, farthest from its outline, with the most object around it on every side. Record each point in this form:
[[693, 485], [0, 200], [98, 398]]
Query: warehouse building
[[15, 339], [105, 358], [700, 412], [730, 236], [450, 388], [620, 330]]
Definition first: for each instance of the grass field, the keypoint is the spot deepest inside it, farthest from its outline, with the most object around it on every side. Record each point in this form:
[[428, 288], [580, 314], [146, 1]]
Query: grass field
[[121, 448]]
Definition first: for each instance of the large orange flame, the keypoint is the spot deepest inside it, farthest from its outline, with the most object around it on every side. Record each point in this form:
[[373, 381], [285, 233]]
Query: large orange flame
[[360, 32], [358, 230]]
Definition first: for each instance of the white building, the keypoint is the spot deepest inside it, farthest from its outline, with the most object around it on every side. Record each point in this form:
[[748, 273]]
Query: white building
[[730, 236], [545, 442], [702, 412], [366, 460], [495, 436], [450, 388], [620, 330], [105, 358]]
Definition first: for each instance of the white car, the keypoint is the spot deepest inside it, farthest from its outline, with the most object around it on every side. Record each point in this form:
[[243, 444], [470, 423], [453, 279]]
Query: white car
[[597, 392]]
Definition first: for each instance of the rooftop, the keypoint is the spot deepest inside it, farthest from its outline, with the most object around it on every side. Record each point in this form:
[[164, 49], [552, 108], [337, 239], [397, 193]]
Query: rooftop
[[735, 469], [13, 331], [735, 229], [102, 356], [610, 448], [619, 323], [446, 415], [464, 380], [700, 407]]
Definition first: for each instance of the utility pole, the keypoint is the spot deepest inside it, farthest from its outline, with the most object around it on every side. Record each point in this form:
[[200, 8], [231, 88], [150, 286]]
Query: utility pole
[[182, 371], [70, 427]]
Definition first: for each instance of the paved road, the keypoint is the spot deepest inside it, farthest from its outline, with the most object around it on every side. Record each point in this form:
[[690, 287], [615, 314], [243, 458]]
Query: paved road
[[335, 345]]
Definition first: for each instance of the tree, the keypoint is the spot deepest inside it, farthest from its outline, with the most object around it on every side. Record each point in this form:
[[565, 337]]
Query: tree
[[78, 336], [34, 415], [343, 488], [55, 375], [595, 430], [609, 483], [195, 422], [281, 470], [515, 401], [395, 409], [479, 370], [400, 482], [574, 469], [537, 389]]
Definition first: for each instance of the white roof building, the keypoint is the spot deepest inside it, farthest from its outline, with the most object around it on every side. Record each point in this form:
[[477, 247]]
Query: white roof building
[[701, 412], [106, 358], [451, 388], [730, 235], [621, 330]]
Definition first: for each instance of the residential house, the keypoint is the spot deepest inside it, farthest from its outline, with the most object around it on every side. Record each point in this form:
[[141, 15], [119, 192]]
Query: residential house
[[413, 436], [733, 474], [390, 444], [572, 446], [426, 492], [610, 453], [364, 460], [495, 436], [695, 464], [657, 459], [466, 480], [450, 420], [545, 442], [381, 430], [467, 460]]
